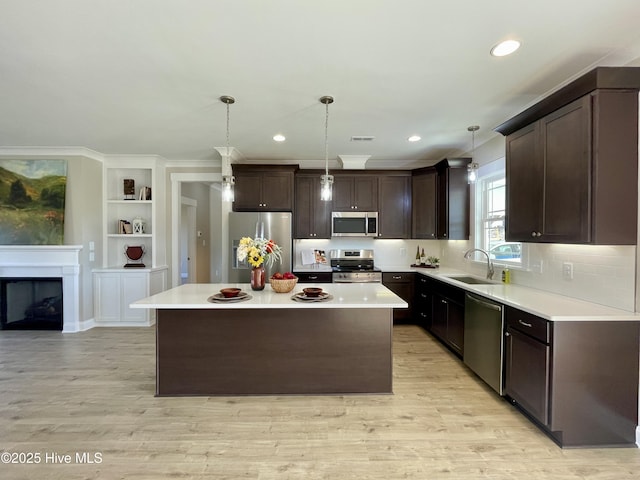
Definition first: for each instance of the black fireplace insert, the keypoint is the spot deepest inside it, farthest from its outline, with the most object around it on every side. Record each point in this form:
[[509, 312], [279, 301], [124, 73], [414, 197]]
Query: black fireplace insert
[[31, 303]]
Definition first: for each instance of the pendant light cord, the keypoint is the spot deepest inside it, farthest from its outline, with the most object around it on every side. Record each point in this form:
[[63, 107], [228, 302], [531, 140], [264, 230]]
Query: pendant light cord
[[326, 139]]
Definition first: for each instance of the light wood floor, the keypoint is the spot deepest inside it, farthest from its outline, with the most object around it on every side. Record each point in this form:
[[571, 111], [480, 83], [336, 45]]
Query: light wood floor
[[94, 392]]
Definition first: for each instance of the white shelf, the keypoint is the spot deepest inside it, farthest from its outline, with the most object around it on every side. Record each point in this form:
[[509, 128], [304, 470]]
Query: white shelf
[[145, 172]]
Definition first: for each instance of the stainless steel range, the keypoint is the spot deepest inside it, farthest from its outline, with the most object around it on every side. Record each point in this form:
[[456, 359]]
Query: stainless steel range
[[354, 266]]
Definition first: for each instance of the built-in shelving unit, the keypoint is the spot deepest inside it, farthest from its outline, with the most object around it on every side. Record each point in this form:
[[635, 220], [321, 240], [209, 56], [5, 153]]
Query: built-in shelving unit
[[115, 286]]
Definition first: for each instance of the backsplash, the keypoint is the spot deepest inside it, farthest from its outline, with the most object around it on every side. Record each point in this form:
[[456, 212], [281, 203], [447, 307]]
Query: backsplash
[[601, 274], [388, 253]]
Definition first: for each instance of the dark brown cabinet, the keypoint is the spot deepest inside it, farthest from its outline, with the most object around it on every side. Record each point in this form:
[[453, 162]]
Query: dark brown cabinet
[[572, 174], [355, 192], [453, 199], [527, 362], [264, 188], [312, 216], [401, 283], [574, 377], [394, 204], [440, 201], [447, 313], [423, 301], [424, 200]]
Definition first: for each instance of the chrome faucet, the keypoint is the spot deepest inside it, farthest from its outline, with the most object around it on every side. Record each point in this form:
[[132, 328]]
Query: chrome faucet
[[490, 271]]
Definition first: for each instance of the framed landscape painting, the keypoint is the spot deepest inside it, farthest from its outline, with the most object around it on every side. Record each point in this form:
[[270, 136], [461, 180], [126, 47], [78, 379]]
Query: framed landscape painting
[[32, 195]]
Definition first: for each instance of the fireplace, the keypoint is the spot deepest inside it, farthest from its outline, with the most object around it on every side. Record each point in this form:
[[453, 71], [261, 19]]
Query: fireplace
[[31, 303], [59, 263]]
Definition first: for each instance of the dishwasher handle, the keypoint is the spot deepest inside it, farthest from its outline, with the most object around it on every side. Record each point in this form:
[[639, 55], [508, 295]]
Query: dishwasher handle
[[485, 304]]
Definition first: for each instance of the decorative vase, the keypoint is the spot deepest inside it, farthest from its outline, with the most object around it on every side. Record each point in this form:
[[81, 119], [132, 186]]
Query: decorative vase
[[258, 275]]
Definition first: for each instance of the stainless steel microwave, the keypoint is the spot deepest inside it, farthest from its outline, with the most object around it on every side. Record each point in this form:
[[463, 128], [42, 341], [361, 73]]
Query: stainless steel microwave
[[354, 224]]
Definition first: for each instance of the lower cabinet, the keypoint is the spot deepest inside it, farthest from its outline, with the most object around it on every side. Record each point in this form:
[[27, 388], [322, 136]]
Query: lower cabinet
[[527, 362], [439, 308], [423, 301], [448, 321], [577, 379], [115, 289], [401, 283]]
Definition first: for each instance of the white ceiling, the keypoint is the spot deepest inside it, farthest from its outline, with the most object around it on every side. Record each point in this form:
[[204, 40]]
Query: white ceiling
[[145, 76]]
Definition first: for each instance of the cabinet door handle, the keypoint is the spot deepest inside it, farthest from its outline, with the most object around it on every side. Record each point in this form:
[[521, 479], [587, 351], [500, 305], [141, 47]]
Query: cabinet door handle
[[423, 315], [525, 324], [397, 277], [507, 334], [313, 277], [444, 301], [536, 234], [423, 295]]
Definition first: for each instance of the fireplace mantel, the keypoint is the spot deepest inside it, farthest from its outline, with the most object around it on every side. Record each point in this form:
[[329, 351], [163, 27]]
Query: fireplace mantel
[[55, 261]]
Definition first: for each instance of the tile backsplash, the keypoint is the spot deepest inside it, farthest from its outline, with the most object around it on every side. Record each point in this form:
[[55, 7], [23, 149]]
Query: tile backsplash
[[601, 274]]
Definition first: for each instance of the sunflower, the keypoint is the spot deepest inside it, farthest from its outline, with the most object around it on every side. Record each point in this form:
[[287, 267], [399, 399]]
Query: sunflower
[[255, 257]]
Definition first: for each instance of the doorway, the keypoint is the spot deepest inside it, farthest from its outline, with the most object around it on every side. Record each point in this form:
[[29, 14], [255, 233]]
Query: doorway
[[207, 235], [188, 249]]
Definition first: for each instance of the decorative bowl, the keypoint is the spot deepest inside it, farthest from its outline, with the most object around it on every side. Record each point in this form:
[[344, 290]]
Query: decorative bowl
[[230, 292], [312, 291], [283, 285]]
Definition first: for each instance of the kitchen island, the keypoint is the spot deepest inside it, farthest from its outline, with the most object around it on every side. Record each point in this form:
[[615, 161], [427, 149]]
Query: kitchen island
[[270, 344]]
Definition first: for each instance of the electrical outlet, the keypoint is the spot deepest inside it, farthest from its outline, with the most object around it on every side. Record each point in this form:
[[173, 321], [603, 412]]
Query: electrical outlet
[[567, 271]]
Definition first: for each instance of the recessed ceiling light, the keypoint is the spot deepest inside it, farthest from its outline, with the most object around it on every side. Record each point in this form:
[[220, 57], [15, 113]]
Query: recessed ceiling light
[[279, 138], [505, 48], [414, 138]]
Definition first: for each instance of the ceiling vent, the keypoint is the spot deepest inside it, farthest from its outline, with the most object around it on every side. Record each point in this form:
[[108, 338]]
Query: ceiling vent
[[362, 138]]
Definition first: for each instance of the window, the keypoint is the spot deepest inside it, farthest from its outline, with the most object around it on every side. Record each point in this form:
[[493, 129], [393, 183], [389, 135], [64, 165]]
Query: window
[[490, 215]]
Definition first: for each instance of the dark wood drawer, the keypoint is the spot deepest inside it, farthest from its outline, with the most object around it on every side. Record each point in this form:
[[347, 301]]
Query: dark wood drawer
[[397, 277], [527, 323], [313, 277]]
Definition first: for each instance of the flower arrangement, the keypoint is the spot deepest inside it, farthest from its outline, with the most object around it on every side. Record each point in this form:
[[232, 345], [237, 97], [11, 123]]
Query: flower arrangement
[[258, 251]]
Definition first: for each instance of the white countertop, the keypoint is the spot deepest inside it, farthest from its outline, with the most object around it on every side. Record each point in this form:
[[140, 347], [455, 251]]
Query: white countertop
[[538, 302], [352, 295]]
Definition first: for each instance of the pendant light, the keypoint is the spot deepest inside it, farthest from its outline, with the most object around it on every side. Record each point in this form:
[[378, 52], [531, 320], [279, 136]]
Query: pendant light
[[472, 168], [227, 180], [326, 180]]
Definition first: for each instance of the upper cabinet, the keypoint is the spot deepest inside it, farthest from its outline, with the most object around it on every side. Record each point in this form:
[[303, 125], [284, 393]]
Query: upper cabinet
[[424, 195], [572, 172], [263, 188], [394, 204], [453, 199], [312, 217], [355, 192], [441, 201]]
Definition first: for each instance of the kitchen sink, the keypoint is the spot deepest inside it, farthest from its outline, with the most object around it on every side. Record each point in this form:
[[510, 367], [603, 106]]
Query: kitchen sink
[[470, 280]]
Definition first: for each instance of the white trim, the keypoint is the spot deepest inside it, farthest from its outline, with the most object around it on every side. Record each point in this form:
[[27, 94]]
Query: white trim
[[51, 152]]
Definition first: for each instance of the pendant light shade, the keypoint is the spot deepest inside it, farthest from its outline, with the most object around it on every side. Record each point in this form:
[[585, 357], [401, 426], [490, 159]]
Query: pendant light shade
[[326, 180], [472, 168], [228, 181]]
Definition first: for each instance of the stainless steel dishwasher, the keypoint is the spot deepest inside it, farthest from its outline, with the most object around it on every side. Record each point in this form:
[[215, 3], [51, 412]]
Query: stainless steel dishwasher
[[483, 345]]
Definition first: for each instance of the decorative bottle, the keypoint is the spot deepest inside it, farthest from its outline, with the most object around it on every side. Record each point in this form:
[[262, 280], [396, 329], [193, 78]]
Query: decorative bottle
[[418, 255], [423, 258]]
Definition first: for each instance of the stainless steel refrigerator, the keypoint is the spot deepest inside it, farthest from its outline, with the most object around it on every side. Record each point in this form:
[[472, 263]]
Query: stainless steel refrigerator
[[272, 225]]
